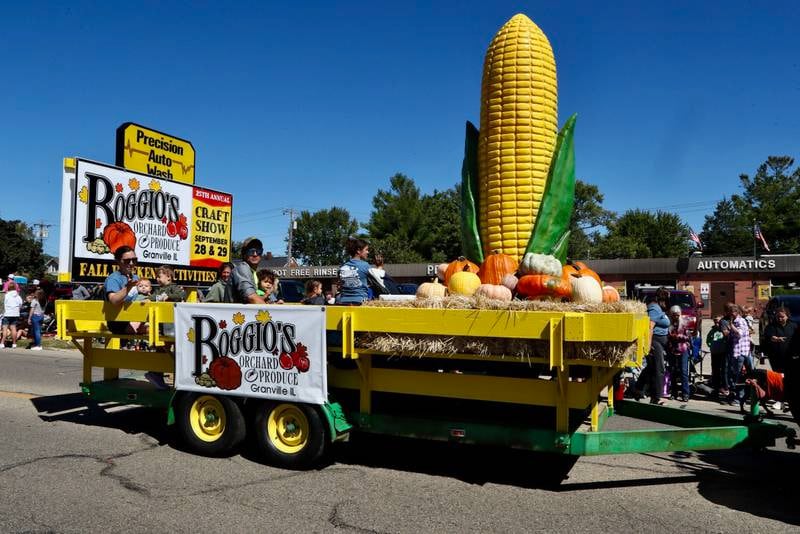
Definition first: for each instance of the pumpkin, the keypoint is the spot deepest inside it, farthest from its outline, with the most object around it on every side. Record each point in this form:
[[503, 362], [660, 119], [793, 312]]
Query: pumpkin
[[610, 294], [533, 263], [118, 234], [464, 283], [510, 281], [496, 266], [431, 289], [580, 268], [543, 285], [441, 269], [457, 266], [225, 372], [492, 291], [586, 289]]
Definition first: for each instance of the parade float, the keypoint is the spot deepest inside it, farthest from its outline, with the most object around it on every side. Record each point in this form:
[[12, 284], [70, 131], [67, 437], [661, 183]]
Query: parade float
[[514, 347]]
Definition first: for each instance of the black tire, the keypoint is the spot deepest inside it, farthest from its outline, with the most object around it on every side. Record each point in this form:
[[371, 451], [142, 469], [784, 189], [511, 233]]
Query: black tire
[[211, 425], [289, 435]]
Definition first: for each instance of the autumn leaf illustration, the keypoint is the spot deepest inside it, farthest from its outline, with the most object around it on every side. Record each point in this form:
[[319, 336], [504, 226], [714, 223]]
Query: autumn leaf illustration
[[133, 183], [190, 335], [155, 186], [263, 317], [205, 359], [119, 188], [238, 318], [83, 195], [223, 324], [98, 223]]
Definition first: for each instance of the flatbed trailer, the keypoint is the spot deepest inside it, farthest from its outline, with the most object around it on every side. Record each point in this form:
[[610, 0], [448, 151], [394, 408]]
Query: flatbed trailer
[[550, 401]]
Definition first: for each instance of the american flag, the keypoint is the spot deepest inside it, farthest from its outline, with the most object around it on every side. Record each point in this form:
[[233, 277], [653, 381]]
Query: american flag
[[758, 235], [696, 238]]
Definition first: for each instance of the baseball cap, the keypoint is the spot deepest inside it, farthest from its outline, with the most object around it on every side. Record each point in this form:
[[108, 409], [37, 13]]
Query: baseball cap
[[251, 242]]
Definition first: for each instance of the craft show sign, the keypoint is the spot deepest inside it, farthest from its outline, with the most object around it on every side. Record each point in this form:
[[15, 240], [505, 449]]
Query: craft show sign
[[166, 223], [155, 153]]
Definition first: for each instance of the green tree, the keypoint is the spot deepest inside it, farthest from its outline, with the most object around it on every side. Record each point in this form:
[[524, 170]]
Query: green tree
[[769, 198], [320, 236], [642, 234], [21, 252], [587, 214], [406, 226]]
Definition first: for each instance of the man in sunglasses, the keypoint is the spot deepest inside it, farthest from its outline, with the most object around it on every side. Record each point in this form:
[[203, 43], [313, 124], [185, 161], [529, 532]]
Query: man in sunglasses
[[120, 286], [243, 277]]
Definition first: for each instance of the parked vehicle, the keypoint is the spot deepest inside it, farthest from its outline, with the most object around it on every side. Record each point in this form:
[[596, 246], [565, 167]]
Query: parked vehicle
[[290, 290]]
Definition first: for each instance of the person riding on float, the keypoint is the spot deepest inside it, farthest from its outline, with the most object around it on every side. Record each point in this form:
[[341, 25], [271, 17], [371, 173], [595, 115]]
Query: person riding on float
[[244, 278]]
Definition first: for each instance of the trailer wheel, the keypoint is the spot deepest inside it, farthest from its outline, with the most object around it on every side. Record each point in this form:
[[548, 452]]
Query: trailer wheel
[[289, 435], [209, 424]]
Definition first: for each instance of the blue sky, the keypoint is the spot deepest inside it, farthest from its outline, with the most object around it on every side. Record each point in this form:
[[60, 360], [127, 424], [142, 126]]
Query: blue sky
[[312, 104]]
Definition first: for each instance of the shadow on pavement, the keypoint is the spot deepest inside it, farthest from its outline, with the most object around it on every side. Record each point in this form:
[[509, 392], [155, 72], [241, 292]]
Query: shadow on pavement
[[469, 463], [77, 408]]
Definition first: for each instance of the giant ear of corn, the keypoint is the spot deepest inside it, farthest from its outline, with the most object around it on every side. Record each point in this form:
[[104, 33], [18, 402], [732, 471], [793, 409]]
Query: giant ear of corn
[[518, 124]]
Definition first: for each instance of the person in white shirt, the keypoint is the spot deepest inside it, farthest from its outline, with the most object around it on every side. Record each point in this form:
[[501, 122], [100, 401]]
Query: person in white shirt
[[12, 303]]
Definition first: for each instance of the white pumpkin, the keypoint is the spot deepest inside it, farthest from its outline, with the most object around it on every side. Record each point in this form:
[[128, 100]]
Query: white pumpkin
[[430, 290], [586, 289], [533, 263], [441, 269], [510, 281]]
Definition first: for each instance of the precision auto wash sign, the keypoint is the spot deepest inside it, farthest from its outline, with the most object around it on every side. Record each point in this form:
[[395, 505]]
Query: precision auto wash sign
[[165, 222], [155, 153]]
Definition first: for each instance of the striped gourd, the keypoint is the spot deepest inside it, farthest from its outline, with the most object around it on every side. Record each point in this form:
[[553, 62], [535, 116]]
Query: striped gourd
[[517, 134]]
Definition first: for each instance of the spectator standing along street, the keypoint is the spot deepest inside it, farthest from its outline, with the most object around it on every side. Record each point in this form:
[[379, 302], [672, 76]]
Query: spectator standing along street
[[12, 302]]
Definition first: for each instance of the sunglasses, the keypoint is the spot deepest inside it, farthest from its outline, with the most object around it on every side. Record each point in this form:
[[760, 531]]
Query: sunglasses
[[254, 252], [129, 260]]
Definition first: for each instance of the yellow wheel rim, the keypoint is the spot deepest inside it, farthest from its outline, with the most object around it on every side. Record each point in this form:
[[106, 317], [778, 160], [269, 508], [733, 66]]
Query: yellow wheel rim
[[207, 417], [287, 428]]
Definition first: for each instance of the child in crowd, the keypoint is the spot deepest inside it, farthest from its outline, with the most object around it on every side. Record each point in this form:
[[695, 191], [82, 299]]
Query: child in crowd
[[267, 284], [678, 340], [313, 293], [36, 316]]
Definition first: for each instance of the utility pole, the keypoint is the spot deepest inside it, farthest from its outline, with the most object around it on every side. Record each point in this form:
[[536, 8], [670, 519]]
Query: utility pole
[[292, 227], [41, 231]]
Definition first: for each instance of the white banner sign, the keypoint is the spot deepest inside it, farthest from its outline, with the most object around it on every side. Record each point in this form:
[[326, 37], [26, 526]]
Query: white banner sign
[[164, 222], [272, 352]]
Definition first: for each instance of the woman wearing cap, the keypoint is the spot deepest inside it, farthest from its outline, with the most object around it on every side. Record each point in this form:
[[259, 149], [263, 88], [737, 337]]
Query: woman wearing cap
[[12, 303], [243, 277]]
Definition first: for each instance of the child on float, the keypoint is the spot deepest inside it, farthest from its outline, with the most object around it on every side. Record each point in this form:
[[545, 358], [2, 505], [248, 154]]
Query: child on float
[[267, 285], [142, 291], [167, 291], [354, 289], [313, 293]]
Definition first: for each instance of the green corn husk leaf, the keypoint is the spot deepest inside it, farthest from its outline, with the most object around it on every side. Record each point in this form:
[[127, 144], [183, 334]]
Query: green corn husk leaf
[[551, 231], [560, 249], [470, 237]]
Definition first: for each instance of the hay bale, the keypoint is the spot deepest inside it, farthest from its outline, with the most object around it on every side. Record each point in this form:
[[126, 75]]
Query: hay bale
[[418, 345]]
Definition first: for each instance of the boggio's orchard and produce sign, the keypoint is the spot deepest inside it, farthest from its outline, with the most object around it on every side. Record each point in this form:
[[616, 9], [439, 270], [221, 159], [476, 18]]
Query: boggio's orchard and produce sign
[[165, 222], [155, 153]]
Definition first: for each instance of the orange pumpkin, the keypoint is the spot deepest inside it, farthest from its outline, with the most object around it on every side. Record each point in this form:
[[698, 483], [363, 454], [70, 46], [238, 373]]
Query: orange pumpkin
[[118, 234], [610, 294], [226, 373], [496, 266], [457, 266], [544, 285], [579, 268]]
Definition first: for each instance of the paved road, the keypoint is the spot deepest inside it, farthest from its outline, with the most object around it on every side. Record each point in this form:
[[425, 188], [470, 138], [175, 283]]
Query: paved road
[[69, 467]]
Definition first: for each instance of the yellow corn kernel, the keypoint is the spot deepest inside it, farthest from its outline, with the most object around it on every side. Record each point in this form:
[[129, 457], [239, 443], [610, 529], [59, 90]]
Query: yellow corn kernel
[[519, 123]]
